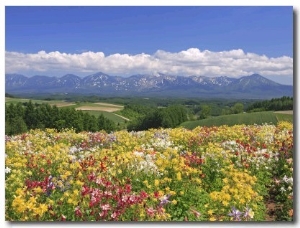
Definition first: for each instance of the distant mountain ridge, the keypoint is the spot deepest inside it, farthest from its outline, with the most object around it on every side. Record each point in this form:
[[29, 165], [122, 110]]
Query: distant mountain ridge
[[253, 86]]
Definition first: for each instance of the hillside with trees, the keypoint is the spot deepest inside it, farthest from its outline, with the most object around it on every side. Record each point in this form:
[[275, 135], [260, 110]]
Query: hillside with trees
[[22, 117]]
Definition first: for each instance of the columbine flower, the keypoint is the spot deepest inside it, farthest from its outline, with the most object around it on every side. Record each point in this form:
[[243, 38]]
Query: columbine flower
[[235, 214], [7, 170], [164, 200], [248, 214]]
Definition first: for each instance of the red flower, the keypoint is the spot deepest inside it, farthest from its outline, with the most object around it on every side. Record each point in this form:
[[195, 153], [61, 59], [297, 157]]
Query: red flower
[[78, 211], [63, 218], [156, 194]]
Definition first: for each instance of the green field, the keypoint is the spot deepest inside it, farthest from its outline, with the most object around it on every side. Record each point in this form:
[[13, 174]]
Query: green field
[[243, 118], [108, 115], [58, 103]]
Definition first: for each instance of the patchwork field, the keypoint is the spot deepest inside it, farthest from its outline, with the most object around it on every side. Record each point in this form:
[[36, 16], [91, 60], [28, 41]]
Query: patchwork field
[[96, 109], [99, 108]]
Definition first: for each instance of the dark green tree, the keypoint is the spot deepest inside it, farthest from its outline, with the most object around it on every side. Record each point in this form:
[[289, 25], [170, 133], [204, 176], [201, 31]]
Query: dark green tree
[[238, 108], [205, 112], [15, 126]]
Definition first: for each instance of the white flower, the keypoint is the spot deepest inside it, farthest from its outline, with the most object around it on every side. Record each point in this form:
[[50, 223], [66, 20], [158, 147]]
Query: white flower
[[282, 189], [7, 170], [286, 179]]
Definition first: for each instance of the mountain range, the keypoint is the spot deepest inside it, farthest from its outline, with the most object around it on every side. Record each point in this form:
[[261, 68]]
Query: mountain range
[[252, 86]]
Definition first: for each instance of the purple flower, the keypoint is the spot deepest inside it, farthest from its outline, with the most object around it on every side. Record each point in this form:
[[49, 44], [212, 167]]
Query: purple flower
[[235, 214], [164, 200]]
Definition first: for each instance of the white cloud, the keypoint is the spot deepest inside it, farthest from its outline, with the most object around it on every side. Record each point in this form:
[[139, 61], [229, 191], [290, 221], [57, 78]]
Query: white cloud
[[232, 63]]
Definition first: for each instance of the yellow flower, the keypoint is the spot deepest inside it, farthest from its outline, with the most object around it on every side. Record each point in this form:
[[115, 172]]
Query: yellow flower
[[156, 182], [76, 192], [181, 193], [43, 208], [19, 204], [160, 193], [179, 176], [38, 190], [225, 203], [172, 193], [79, 183], [212, 219], [20, 192], [225, 180], [174, 202], [242, 201], [210, 212]]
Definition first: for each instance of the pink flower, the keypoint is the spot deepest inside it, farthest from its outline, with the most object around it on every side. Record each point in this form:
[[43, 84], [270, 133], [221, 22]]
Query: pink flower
[[105, 207], [114, 215], [150, 211], [196, 213], [84, 190]]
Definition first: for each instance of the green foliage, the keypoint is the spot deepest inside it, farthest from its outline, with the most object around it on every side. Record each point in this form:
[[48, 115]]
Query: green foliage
[[238, 108], [15, 125], [22, 117], [169, 117], [205, 112], [275, 104]]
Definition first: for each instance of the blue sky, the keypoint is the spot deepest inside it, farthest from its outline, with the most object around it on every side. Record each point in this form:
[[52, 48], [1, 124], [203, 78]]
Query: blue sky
[[184, 40]]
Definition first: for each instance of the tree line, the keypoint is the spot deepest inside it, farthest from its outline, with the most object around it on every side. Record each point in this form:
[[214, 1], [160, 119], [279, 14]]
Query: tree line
[[275, 104], [21, 117], [166, 117]]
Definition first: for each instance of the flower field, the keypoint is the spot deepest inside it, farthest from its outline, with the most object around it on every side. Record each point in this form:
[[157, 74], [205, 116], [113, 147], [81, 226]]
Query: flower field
[[206, 174]]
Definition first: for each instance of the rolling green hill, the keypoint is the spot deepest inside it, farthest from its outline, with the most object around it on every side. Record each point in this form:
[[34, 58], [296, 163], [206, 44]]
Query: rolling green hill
[[243, 118]]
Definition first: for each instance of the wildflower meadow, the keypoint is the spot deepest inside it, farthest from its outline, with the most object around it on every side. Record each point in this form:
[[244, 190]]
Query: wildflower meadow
[[206, 174]]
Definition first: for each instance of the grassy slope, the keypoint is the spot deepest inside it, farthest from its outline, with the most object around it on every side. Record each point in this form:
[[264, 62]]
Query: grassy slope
[[244, 118], [108, 115]]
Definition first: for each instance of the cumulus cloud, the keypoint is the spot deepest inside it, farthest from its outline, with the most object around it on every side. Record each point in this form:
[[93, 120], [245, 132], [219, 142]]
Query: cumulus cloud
[[232, 63]]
